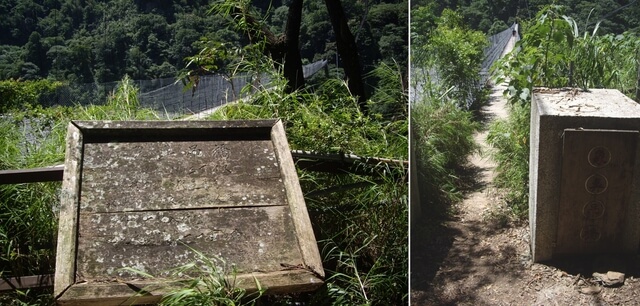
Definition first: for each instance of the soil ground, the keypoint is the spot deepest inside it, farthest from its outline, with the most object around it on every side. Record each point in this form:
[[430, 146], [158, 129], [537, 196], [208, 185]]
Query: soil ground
[[481, 257]]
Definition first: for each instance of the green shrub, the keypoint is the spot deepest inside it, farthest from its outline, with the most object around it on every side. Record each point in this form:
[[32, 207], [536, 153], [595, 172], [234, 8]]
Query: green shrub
[[21, 95], [456, 55], [28, 212], [553, 53]]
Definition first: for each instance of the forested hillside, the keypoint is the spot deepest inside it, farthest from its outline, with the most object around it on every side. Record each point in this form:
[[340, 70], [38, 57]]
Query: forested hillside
[[88, 41], [492, 16]]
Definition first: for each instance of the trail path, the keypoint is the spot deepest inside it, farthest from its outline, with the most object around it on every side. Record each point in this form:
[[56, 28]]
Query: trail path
[[477, 259], [479, 201]]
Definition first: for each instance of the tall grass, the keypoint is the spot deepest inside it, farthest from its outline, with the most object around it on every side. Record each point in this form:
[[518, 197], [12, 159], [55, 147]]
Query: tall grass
[[28, 212], [366, 256], [122, 104], [443, 135], [361, 227], [35, 137], [510, 138]]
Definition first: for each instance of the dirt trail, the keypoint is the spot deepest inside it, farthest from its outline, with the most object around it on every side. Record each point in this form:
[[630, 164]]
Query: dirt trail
[[476, 259], [479, 201]]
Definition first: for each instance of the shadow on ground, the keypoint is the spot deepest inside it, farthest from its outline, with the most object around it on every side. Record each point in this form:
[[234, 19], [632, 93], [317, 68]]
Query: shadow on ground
[[585, 266], [454, 259], [450, 263], [451, 259]]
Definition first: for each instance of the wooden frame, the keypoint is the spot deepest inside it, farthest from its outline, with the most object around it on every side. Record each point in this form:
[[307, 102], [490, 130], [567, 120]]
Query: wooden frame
[[100, 159]]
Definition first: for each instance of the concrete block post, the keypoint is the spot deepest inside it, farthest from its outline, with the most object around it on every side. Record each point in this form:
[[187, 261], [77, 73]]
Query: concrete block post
[[584, 173]]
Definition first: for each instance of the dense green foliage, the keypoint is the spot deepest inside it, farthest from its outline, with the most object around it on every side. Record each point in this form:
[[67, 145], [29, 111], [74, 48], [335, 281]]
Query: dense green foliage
[[101, 41], [446, 67], [554, 53], [492, 16], [87, 41], [456, 56], [25, 94]]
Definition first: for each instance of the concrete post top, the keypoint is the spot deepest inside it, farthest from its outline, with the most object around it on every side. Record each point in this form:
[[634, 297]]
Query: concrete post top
[[574, 102]]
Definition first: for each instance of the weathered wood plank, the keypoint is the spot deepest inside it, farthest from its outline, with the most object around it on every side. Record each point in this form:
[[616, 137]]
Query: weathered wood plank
[[312, 161], [69, 203], [169, 127], [152, 193], [300, 215], [134, 176], [150, 292], [112, 131], [252, 239]]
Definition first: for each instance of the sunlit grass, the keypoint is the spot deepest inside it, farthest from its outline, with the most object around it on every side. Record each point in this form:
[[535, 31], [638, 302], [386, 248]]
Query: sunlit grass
[[207, 281]]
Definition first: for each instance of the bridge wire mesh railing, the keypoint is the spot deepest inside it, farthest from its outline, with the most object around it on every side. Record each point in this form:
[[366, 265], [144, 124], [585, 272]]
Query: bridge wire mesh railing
[[493, 52], [497, 45], [168, 96]]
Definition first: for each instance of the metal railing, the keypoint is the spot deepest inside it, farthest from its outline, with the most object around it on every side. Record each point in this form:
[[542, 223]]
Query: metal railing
[[26, 282]]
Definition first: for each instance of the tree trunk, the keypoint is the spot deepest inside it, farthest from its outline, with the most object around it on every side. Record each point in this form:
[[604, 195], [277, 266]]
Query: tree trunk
[[292, 61], [283, 50], [348, 51]]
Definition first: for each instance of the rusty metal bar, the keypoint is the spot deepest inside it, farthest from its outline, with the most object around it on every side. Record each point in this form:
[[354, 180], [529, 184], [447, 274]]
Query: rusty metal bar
[[313, 161], [344, 157], [47, 174], [345, 163], [25, 282]]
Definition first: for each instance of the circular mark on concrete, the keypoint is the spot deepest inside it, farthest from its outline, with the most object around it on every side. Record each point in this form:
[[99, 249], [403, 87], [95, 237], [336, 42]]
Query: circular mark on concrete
[[590, 233], [593, 209], [599, 157], [596, 184]]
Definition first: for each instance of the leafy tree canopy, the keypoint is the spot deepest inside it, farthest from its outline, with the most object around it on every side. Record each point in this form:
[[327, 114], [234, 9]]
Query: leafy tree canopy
[[100, 41], [492, 16]]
